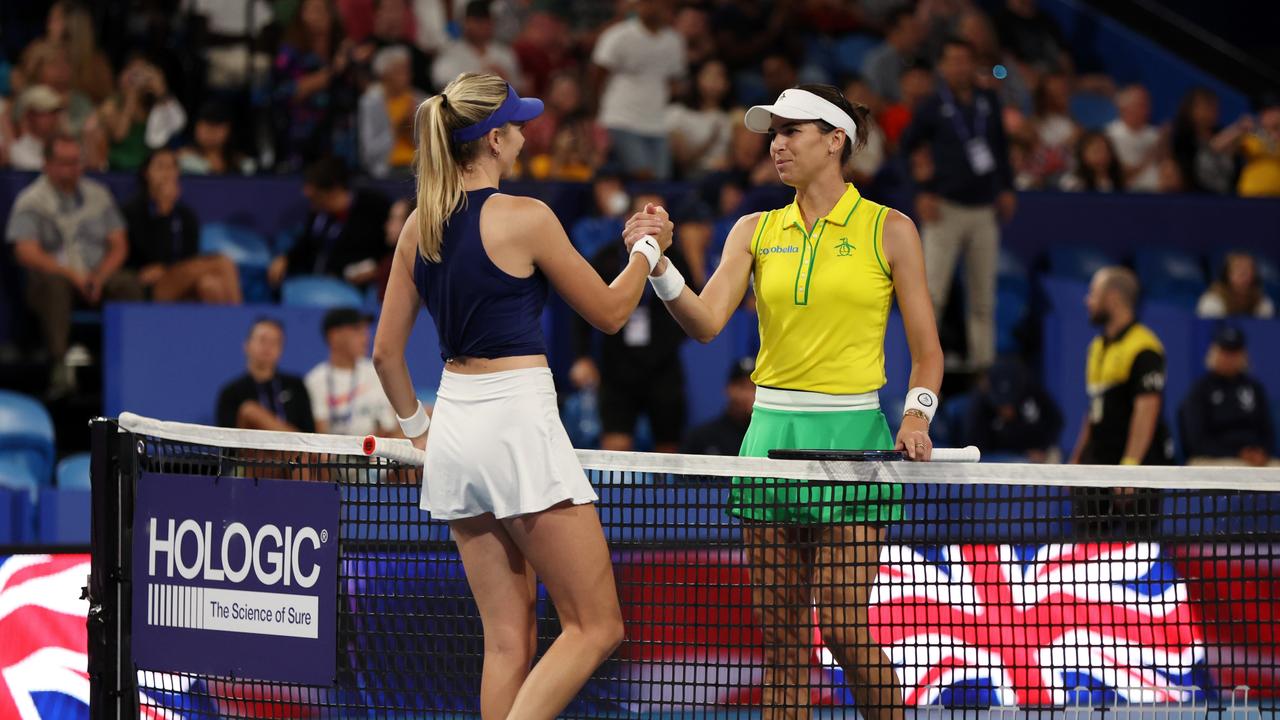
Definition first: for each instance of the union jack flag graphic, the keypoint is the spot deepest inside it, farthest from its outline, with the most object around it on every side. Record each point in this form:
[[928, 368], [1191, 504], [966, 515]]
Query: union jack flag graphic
[[44, 653], [43, 641], [1062, 624]]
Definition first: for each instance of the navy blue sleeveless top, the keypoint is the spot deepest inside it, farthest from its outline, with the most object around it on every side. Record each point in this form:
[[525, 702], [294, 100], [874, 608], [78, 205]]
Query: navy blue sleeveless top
[[480, 311]]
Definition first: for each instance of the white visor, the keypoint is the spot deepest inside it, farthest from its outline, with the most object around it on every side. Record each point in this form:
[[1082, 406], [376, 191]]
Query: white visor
[[796, 104]]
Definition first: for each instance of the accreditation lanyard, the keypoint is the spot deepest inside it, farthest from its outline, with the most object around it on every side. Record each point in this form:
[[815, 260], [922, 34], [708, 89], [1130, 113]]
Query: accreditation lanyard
[[981, 115], [327, 228], [335, 400], [271, 399], [981, 160]]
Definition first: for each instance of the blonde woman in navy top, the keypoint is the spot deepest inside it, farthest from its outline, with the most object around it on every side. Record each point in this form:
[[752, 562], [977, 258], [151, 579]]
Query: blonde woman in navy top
[[499, 465]]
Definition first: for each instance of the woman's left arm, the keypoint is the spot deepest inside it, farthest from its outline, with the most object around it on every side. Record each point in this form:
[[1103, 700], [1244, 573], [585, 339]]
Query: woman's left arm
[[903, 250], [399, 311]]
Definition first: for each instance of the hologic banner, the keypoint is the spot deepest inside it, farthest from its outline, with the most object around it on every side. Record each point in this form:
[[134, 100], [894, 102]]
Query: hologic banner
[[236, 577]]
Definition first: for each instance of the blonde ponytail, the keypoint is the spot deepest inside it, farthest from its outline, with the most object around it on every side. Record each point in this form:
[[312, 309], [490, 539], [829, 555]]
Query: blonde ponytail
[[440, 160]]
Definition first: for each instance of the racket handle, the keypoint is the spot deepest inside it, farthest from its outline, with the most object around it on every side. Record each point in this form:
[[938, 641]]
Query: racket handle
[[401, 451], [969, 454]]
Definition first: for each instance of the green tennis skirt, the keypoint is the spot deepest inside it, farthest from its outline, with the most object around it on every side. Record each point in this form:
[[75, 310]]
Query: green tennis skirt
[[804, 502]]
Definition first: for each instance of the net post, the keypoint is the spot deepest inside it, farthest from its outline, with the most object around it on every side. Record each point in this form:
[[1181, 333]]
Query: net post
[[112, 680]]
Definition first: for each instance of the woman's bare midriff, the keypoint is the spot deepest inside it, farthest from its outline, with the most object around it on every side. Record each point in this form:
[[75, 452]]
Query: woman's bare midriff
[[482, 366]]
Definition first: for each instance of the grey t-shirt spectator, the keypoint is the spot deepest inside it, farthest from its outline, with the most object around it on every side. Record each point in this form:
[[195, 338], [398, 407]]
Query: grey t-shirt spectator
[[882, 68], [460, 56], [72, 228], [641, 65]]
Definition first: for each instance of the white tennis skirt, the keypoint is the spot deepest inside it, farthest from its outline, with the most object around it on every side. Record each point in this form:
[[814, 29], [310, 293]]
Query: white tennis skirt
[[497, 445]]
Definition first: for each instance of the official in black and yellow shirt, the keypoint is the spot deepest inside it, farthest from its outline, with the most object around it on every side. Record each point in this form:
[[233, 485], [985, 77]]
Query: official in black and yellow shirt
[[1124, 375]]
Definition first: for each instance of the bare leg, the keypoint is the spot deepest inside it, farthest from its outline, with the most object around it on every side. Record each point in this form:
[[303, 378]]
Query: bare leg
[[178, 282], [210, 279], [505, 590], [846, 562], [781, 573], [566, 547], [226, 269]]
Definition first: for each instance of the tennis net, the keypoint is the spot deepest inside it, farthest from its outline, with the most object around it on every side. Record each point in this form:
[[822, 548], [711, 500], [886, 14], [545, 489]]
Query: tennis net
[[249, 574]]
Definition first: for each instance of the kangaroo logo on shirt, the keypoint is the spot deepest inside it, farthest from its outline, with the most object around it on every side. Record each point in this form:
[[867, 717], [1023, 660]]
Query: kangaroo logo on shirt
[[844, 248]]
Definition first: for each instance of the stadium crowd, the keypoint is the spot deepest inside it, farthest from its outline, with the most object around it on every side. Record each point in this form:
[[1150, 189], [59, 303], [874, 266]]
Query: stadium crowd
[[635, 90], [644, 88]]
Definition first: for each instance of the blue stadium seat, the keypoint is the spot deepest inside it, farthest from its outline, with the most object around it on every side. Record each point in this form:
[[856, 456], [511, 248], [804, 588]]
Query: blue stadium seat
[[63, 516], [26, 434], [319, 291], [1169, 274], [73, 472], [592, 233], [245, 247], [1091, 110], [19, 489], [1075, 262], [851, 52]]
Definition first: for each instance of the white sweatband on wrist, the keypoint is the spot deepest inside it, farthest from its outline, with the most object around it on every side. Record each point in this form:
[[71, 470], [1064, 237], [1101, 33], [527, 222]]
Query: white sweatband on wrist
[[416, 424], [648, 247], [669, 284], [922, 399]]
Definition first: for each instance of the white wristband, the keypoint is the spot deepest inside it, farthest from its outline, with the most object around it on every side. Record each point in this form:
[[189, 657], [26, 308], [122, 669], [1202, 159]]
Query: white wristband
[[416, 424], [922, 399], [669, 284], [648, 247]]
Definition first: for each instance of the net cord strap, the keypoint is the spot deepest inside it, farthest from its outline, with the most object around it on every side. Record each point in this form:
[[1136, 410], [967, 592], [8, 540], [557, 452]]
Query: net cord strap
[[636, 465]]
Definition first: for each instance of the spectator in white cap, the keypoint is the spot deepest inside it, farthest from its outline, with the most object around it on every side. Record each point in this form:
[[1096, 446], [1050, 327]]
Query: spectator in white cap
[[40, 117], [386, 114], [346, 396]]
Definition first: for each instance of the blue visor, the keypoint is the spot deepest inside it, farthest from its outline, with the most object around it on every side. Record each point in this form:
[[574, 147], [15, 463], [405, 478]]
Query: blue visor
[[513, 109]]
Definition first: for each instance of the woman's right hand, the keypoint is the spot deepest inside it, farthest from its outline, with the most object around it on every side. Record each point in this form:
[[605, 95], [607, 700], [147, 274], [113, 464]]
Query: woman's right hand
[[420, 442], [652, 221]]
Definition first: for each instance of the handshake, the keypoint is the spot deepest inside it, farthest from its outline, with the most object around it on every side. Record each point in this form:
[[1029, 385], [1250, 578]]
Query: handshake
[[653, 222]]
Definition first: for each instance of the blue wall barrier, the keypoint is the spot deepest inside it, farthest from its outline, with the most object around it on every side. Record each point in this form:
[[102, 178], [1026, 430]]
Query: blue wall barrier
[[169, 361], [63, 517]]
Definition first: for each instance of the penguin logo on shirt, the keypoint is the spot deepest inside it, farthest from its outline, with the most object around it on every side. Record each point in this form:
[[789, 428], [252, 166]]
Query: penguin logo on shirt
[[844, 248]]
